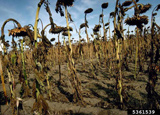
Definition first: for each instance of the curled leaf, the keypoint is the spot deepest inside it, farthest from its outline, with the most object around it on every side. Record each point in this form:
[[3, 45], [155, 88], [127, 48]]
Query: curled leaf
[[106, 24], [52, 39]]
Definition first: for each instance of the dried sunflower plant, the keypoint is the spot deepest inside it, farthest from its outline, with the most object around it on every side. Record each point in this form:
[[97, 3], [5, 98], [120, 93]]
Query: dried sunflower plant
[[75, 81], [49, 71]]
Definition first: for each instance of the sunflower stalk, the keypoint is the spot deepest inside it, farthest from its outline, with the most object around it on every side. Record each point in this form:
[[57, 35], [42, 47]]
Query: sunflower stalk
[[76, 82], [59, 60], [35, 38], [49, 87], [23, 64], [136, 56], [3, 84]]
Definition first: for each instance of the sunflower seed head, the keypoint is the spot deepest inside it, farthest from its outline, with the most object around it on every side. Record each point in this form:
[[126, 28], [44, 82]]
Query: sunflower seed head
[[89, 10], [56, 30], [18, 32], [96, 28], [144, 8], [112, 14], [127, 3], [158, 7], [104, 5], [65, 33], [137, 20], [65, 2]]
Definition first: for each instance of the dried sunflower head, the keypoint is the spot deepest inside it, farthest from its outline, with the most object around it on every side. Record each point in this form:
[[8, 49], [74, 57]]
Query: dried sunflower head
[[154, 14], [89, 10], [65, 2], [112, 14], [18, 32], [101, 15], [56, 30], [95, 33], [65, 29], [144, 8], [83, 25], [158, 7], [96, 28], [65, 33], [104, 5], [82, 40], [137, 20], [127, 3]]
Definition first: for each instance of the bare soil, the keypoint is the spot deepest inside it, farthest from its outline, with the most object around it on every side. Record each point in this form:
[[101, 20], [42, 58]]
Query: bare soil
[[99, 92]]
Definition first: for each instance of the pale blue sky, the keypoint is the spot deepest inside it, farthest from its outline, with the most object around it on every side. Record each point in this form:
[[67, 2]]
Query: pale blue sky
[[24, 12]]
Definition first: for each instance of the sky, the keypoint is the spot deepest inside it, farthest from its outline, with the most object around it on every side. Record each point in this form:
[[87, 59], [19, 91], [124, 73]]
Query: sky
[[24, 12]]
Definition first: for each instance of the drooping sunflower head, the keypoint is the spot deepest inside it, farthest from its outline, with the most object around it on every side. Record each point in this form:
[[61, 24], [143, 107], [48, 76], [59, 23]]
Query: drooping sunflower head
[[158, 7], [104, 5], [65, 2], [56, 30], [65, 33], [144, 8], [61, 3], [65, 29], [137, 20], [96, 28], [112, 14], [19, 31], [126, 3], [89, 10], [83, 25]]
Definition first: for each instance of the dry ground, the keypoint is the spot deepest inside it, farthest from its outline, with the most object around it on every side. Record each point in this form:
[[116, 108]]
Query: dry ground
[[99, 93]]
